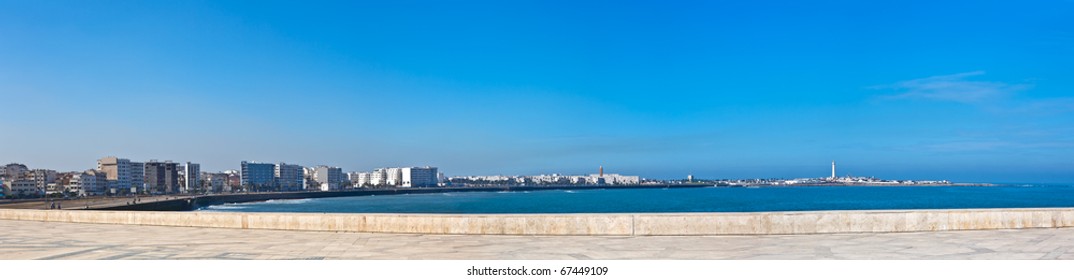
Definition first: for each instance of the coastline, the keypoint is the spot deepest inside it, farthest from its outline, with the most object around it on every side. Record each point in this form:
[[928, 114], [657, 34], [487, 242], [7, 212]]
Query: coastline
[[190, 203], [194, 202], [875, 185]]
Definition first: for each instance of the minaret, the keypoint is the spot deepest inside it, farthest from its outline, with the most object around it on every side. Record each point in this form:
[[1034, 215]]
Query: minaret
[[602, 171], [833, 170]]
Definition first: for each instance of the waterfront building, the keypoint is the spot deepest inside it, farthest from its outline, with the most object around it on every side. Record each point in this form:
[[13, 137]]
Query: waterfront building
[[418, 176], [214, 182], [22, 188], [328, 178], [378, 177], [191, 177], [42, 178], [257, 176], [393, 176], [234, 180], [87, 183], [352, 177], [15, 171], [289, 177], [363, 180], [137, 177], [162, 177], [117, 171]]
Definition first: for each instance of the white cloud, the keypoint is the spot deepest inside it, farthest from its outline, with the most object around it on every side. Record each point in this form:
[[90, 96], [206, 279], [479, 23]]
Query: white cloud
[[953, 88]]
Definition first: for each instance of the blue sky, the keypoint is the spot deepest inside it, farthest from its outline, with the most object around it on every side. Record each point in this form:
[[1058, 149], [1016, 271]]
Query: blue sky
[[968, 91]]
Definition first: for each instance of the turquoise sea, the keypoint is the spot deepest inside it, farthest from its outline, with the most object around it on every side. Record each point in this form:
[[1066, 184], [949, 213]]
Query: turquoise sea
[[710, 199]]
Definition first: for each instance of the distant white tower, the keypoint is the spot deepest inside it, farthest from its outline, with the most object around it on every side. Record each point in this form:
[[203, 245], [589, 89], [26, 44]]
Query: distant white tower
[[833, 170]]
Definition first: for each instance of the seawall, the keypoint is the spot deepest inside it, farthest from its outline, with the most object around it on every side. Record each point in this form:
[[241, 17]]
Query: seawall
[[665, 224]]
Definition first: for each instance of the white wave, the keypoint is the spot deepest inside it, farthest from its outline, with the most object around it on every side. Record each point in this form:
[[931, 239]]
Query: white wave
[[569, 191], [289, 201], [225, 207]]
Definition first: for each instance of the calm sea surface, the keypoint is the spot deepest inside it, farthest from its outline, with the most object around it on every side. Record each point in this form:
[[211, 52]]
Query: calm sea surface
[[680, 200]]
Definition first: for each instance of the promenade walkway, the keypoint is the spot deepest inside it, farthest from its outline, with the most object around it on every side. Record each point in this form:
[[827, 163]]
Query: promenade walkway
[[51, 240]]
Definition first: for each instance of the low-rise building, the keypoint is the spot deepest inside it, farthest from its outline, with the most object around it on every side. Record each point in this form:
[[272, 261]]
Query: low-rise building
[[41, 178], [23, 188], [215, 182], [88, 183]]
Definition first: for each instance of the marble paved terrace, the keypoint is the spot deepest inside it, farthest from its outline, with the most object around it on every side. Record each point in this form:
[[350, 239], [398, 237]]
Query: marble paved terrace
[[50, 240]]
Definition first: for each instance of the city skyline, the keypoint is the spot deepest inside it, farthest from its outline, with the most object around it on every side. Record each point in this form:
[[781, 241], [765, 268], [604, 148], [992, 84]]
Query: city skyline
[[961, 91]]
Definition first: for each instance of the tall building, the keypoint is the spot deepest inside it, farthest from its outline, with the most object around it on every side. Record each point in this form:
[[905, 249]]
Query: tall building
[[117, 172], [393, 176], [289, 177], [191, 177], [378, 177], [137, 177], [363, 180], [162, 177], [418, 176], [328, 177], [257, 176]]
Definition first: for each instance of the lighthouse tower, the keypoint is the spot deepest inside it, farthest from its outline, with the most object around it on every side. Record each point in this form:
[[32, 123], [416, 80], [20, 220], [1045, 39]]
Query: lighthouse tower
[[833, 170]]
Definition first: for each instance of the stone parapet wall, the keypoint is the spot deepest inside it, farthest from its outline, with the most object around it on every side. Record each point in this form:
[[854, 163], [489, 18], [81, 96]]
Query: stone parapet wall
[[666, 224]]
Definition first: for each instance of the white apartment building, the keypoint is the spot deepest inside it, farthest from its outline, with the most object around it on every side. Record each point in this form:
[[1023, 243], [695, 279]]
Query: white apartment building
[[191, 177], [363, 180], [393, 176], [378, 177], [418, 177]]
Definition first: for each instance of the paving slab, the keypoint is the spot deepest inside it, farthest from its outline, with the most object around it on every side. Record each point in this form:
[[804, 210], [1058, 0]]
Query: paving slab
[[54, 240]]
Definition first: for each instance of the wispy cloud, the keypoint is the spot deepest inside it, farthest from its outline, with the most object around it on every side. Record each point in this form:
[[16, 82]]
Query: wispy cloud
[[953, 88], [1045, 106]]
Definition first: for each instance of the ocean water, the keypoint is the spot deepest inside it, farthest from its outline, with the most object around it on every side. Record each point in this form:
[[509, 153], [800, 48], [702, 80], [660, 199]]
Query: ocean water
[[710, 199]]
